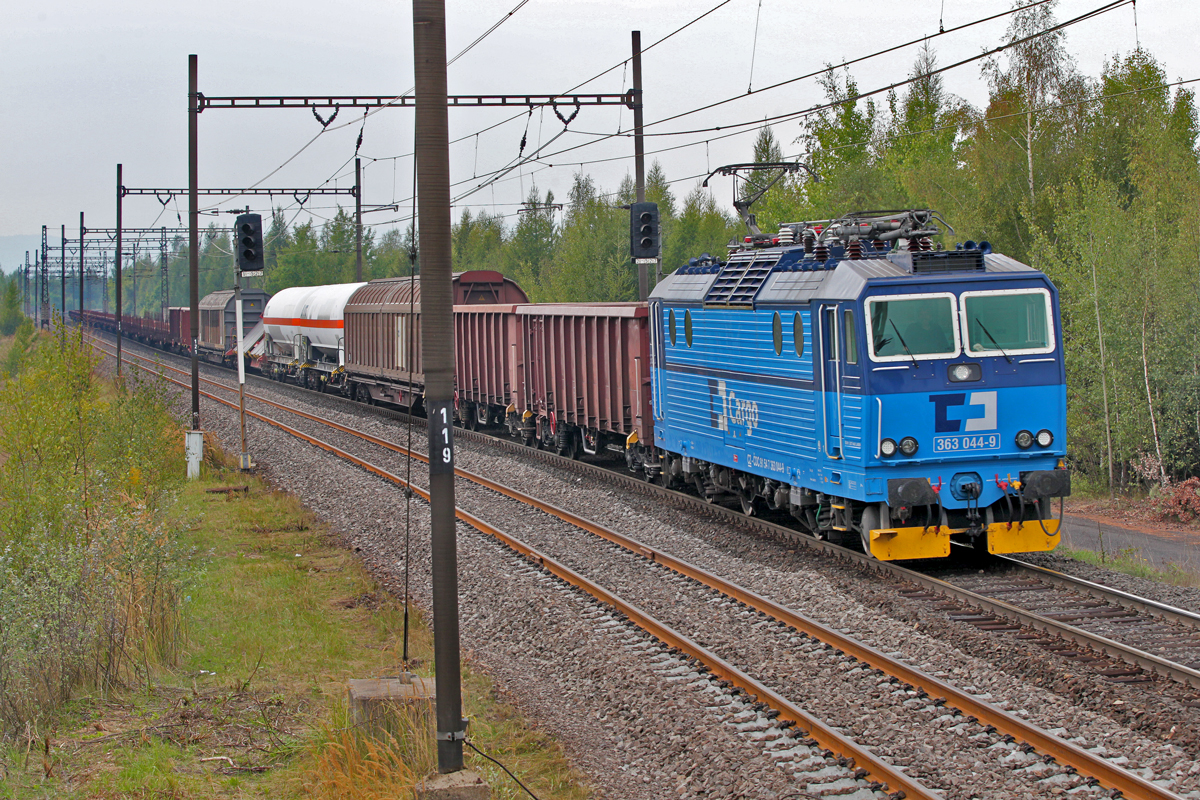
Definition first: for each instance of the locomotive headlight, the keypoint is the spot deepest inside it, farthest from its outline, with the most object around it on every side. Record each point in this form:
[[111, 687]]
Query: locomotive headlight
[[965, 372], [1024, 440], [1045, 438], [887, 448], [908, 445]]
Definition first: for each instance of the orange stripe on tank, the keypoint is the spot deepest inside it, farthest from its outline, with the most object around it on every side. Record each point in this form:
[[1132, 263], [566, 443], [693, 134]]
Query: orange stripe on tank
[[305, 323]]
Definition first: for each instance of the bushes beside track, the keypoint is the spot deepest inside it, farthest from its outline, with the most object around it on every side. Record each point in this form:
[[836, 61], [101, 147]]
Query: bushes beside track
[[91, 574]]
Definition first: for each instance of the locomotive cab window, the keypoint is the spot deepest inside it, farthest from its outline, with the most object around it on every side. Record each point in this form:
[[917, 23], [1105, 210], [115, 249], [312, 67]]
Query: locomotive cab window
[[777, 333], [671, 325], [798, 333], [1010, 322], [908, 327], [687, 327]]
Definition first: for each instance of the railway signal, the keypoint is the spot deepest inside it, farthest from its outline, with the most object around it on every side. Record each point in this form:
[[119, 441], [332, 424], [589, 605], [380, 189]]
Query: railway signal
[[250, 243], [643, 230]]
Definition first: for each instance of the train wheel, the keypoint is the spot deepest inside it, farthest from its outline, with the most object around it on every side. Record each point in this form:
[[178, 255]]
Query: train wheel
[[748, 507]]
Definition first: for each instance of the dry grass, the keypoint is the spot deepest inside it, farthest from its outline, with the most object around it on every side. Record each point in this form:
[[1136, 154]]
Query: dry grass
[[280, 618]]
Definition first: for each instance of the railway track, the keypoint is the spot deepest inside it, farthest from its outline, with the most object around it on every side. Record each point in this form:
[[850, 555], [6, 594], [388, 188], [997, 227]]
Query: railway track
[[791, 638], [1124, 638], [1098, 623]]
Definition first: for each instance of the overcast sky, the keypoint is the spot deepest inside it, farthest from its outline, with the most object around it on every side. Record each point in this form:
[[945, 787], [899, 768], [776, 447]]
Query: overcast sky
[[87, 85]]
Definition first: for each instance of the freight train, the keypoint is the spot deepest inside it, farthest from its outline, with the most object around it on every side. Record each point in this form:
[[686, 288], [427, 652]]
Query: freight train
[[843, 371]]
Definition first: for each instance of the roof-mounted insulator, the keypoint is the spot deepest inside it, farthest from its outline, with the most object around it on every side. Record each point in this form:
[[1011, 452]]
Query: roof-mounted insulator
[[786, 236], [854, 250], [810, 241], [821, 252]]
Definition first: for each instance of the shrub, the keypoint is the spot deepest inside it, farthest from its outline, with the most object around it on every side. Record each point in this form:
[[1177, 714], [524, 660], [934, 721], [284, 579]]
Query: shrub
[[90, 574], [1179, 502]]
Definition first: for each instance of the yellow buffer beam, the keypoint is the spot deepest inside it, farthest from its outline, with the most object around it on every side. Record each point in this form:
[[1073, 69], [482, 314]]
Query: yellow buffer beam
[[1028, 537]]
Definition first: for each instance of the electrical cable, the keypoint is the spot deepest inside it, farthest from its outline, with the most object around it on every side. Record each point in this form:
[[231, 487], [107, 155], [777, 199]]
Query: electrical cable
[[843, 64], [370, 112], [1111, 6], [622, 63], [816, 109], [501, 766], [753, 50], [759, 91]]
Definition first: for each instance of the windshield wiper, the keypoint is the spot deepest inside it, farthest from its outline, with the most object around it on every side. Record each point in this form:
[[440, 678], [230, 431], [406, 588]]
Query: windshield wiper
[[983, 328], [903, 343]]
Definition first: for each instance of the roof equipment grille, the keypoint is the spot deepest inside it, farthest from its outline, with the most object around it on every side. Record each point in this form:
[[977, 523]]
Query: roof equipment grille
[[739, 281], [937, 261]]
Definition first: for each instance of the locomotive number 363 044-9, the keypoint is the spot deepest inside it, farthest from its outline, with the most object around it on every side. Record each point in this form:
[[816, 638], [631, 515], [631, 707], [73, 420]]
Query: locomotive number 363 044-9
[[959, 444]]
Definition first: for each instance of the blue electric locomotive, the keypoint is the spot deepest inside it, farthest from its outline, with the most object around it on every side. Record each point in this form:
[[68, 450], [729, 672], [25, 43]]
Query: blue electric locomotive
[[853, 375]]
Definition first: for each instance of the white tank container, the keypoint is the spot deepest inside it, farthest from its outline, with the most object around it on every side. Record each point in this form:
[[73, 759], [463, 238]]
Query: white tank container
[[311, 311]]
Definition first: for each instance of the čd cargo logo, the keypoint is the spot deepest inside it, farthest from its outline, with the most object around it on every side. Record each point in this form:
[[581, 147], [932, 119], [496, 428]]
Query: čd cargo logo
[[953, 413], [727, 410]]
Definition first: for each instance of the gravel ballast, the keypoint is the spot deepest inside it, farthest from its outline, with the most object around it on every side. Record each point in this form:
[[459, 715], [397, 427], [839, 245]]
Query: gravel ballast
[[565, 648]]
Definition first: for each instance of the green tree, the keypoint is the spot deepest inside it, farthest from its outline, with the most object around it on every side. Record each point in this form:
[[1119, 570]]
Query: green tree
[[592, 261], [529, 251], [702, 227], [477, 241], [10, 308], [278, 238], [841, 145]]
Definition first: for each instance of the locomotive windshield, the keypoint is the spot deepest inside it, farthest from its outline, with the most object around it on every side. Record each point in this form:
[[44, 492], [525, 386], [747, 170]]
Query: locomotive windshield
[[912, 326], [1008, 322]]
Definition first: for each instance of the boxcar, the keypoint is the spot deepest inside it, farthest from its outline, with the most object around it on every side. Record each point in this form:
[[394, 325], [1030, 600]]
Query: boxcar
[[383, 332]]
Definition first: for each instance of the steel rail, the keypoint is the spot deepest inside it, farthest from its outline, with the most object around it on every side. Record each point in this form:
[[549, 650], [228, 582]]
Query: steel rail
[[1088, 763], [1126, 653], [824, 735], [1152, 608]]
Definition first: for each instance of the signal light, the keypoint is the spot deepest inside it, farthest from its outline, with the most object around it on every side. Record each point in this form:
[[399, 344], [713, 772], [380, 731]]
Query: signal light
[[643, 230], [908, 446], [248, 230]]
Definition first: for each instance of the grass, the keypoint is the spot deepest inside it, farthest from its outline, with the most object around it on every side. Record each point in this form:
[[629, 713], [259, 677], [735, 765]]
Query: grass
[[278, 620], [1130, 561]]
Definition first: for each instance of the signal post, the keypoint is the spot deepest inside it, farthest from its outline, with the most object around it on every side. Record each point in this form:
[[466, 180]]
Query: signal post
[[249, 236]]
